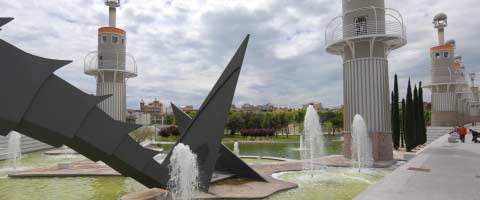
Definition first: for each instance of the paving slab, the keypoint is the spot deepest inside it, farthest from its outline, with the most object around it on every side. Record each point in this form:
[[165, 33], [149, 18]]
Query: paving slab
[[442, 171]]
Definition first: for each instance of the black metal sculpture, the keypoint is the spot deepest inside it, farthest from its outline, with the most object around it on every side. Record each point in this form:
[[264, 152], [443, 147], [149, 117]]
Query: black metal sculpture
[[39, 104], [227, 162]]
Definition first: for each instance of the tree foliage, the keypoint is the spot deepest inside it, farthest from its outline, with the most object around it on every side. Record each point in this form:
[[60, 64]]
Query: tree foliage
[[414, 118], [280, 121], [402, 124], [395, 112], [409, 120], [422, 128]]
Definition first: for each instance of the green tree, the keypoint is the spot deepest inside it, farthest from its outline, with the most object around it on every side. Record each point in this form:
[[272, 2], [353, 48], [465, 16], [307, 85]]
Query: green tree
[[428, 117], [421, 121], [338, 121], [284, 123], [267, 120], [416, 114], [276, 122], [409, 120], [402, 124], [192, 114], [235, 122], [300, 117], [328, 126], [170, 119], [395, 115], [255, 121]]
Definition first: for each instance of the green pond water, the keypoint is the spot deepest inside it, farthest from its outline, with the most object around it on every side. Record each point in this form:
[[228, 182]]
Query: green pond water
[[328, 184], [60, 188], [333, 146], [104, 188]]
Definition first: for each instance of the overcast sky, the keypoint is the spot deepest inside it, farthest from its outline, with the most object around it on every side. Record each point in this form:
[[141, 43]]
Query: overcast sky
[[182, 46]]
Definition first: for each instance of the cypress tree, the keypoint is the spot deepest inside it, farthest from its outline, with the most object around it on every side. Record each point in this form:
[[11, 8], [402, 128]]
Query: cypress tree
[[395, 115], [416, 119], [409, 137], [392, 117], [423, 128], [402, 124]]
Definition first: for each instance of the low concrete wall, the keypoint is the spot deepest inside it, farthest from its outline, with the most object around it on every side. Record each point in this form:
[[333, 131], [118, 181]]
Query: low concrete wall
[[382, 145], [446, 119]]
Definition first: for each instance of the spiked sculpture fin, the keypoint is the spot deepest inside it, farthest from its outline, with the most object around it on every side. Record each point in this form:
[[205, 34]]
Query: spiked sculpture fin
[[5, 20], [204, 134], [22, 76], [182, 119], [227, 162]]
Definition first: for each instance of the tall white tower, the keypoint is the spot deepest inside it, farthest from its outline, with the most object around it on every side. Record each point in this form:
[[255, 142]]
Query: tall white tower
[[111, 65], [448, 86], [364, 35]]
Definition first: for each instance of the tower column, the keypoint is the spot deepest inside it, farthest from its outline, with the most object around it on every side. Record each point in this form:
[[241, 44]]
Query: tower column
[[116, 104], [364, 35], [112, 16], [366, 92]]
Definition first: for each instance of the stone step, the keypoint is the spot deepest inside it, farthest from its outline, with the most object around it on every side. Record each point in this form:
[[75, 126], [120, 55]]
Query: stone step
[[433, 133]]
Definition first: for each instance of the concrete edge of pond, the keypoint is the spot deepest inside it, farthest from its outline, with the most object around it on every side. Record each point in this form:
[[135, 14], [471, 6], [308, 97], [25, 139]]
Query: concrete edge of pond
[[244, 189], [84, 168], [236, 188]]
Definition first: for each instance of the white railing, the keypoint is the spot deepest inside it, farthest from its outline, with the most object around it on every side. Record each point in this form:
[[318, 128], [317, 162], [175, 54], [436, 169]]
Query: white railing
[[444, 80], [127, 66], [392, 25]]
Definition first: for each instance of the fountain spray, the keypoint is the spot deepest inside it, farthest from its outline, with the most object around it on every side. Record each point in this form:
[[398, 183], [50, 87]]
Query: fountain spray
[[361, 143], [312, 137], [14, 149], [183, 173]]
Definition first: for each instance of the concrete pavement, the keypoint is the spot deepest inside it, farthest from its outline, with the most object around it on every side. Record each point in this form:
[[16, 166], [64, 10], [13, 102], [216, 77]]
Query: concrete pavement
[[441, 172]]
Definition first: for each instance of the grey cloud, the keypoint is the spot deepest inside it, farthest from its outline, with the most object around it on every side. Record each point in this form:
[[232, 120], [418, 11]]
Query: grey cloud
[[181, 50]]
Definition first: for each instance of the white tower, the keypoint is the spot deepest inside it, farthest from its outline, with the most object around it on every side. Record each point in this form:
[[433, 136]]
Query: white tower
[[448, 86], [364, 36], [111, 65]]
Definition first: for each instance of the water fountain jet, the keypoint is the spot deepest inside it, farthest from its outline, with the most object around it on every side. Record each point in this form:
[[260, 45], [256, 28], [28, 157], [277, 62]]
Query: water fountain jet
[[312, 138], [14, 150], [183, 173], [361, 143], [236, 149]]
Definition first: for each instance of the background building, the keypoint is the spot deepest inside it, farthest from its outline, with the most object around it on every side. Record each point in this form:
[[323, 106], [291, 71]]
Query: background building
[[139, 117], [318, 106], [154, 109]]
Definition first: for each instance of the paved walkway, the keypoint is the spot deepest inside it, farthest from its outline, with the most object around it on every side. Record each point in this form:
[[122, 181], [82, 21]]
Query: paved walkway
[[441, 172]]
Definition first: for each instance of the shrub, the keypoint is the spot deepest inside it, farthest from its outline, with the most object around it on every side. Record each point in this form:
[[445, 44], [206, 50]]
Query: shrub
[[257, 132], [169, 131]]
